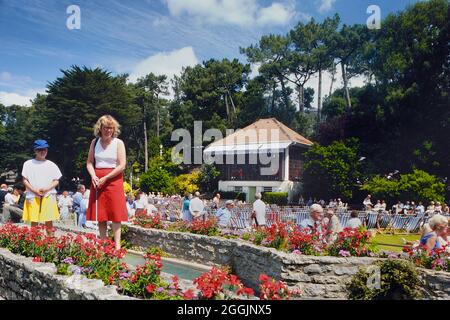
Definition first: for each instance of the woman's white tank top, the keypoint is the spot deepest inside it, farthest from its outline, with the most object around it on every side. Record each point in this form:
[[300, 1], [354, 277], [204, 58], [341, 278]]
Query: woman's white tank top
[[106, 158]]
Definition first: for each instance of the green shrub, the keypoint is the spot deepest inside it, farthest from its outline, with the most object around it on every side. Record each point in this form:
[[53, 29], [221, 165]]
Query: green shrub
[[156, 179], [418, 185], [232, 195], [278, 198], [399, 281]]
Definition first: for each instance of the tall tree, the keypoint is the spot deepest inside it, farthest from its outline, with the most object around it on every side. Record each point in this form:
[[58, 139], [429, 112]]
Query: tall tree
[[150, 88], [74, 103]]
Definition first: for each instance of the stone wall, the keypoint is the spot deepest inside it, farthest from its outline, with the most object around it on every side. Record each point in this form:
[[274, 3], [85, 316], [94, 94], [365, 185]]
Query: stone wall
[[23, 279], [316, 277], [321, 277]]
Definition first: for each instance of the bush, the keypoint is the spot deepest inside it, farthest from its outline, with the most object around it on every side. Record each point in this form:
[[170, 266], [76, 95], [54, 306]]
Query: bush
[[399, 281], [232, 195], [279, 198], [156, 179], [418, 185], [187, 183]]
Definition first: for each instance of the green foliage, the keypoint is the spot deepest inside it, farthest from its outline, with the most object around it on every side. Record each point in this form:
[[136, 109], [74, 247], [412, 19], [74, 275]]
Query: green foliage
[[187, 183], [156, 251], [209, 177], [156, 179], [231, 195], [332, 171], [399, 280], [418, 185], [279, 198]]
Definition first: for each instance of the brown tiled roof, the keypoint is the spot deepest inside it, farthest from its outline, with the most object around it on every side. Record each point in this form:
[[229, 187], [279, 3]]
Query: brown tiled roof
[[264, 131]]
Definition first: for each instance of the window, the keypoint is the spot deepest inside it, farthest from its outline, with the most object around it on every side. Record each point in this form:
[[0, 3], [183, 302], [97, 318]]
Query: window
[[237, 189], [267, 189]]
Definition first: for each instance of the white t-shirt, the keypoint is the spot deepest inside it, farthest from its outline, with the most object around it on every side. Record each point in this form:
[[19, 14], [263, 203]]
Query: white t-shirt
[[196, 207], [10, 199], [354, 223], [260, 208], [40, 174]]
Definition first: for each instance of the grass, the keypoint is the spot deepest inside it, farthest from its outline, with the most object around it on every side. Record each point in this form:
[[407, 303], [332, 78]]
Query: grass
[[385, 240]]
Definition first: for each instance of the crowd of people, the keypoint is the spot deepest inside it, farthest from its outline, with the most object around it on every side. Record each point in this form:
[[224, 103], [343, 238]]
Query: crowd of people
[[407, 208]]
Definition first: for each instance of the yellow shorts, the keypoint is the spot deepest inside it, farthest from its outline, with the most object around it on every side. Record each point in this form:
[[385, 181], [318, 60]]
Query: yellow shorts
[[40, 209]]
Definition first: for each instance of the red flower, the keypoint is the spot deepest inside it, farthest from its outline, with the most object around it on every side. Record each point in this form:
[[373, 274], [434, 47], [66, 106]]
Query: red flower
[[37, 259]]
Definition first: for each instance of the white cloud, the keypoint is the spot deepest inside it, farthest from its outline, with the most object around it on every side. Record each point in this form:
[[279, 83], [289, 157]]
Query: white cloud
[[276, 14], [10, 98], [326, 5], [237, 12], [168, 63]]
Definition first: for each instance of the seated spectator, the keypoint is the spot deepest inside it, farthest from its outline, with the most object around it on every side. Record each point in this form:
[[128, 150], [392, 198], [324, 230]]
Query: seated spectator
[[383, 205], [12, 196], [3, 192], [340, 204], [354, 221], [151, 209], [420, 209], [430, 208], [438, 208], [433, 240], [224, 214], [314, 222], [398, 208], [333, 225], [378, 206], [14, 212]]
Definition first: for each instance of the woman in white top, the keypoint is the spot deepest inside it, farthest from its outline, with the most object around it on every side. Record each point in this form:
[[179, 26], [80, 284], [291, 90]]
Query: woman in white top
[[106, 163]]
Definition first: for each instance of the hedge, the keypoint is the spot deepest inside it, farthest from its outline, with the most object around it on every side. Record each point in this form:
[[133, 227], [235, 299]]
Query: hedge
[[278, 198]]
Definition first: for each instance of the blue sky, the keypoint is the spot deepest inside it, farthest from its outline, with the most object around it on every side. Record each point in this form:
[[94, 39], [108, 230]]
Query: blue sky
[[142, 36]]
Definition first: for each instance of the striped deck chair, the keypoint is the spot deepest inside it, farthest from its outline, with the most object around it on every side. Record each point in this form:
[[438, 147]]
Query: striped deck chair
[[413, 223], [371, 219], [343, 218]]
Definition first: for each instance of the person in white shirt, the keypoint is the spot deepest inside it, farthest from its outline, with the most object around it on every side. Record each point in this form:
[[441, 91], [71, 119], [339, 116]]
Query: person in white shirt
[[40, 177], [367, 202], [196, 206], [333, 225], [65, 205], [11, 198], [216, 201], [377, 206], [354, 221], [259, 211], [420, 209], [315, 219]]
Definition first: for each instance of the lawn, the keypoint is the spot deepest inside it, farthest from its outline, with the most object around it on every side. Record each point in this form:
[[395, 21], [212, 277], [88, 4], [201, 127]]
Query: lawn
[[385, 240]]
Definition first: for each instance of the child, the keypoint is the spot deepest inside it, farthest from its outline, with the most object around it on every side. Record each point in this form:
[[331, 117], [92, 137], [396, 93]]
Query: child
[[40, 177]]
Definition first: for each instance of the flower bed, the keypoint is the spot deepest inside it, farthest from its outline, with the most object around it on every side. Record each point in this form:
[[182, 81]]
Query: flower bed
[[97, 259], [281, 236]]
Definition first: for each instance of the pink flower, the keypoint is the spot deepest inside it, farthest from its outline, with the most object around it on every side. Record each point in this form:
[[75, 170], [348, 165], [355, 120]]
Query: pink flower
[[344, 253], [296, 252]]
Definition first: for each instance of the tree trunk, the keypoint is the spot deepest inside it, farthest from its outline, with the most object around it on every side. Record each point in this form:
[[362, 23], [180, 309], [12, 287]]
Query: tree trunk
[[333, 79], [319, 98], [145, 144], [301, 98], [347, 92], [157, 116]]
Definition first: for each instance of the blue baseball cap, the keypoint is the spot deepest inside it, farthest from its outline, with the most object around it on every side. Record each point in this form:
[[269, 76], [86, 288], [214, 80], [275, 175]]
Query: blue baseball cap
[[40, 144]]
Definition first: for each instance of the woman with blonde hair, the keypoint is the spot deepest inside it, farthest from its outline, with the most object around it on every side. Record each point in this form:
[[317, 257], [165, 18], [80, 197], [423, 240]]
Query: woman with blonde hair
[[433, 240], [106, 163]]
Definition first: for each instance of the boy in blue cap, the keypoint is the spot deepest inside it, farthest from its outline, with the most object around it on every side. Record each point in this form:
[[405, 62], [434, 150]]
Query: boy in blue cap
[[41, 176]]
